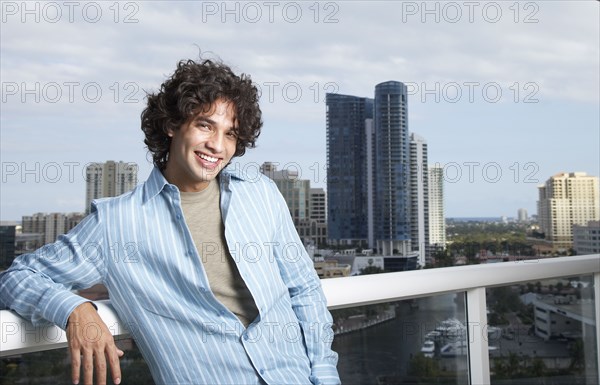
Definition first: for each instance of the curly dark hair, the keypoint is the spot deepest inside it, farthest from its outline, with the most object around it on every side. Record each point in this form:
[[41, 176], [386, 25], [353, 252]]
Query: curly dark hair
[[193, 88]]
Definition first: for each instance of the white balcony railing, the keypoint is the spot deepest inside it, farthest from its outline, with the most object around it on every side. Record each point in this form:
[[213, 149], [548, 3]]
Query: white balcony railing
[[19, 336]]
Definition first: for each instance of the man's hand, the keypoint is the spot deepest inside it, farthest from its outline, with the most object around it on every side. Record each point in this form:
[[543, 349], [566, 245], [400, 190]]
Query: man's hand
[[91, 343]]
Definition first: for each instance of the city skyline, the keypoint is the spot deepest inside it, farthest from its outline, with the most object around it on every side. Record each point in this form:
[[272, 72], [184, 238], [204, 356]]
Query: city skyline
[[73, 88]]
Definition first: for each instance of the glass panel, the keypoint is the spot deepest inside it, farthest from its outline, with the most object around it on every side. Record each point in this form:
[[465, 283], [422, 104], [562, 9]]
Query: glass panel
[[54, 367], [543, 332], [406, 342]]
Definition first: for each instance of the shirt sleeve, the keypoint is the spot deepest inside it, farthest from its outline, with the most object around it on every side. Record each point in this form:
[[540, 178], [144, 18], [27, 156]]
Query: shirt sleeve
[[308, 300], [38, 286]]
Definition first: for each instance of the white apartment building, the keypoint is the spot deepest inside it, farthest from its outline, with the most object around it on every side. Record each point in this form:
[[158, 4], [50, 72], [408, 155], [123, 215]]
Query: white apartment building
[[50, 226], [109, 179], [437, 219], [522, 215], [567, 199], [419, 198]]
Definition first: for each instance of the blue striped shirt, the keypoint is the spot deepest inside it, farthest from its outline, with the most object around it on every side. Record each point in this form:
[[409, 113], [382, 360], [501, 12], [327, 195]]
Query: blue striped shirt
[[140, 247]]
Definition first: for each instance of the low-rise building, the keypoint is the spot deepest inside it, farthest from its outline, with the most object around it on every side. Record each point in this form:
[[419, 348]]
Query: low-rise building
[[586, 239], [563, 317], [331, 269]]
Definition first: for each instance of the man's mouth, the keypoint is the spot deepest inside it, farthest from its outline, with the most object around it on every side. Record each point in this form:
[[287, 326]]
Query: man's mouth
[[207, 158]]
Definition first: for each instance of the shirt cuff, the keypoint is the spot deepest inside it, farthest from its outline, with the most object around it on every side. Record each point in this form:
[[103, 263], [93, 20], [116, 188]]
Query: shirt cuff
[[324, 374], [61, 305]]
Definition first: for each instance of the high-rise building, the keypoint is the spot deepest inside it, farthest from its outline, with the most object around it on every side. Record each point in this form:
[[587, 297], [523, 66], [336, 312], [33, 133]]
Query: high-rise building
[[372, 196], [371, 172], [307, 205], [7, 244], [567, 199], [109, 179], [317, 212], [60, 223], [347, 174], [33, 232], [522, 215], [437, 219], [34, 224], [56, 225], [49, 226], [317, 205], [295, 191], [419, 198], [392, 169]]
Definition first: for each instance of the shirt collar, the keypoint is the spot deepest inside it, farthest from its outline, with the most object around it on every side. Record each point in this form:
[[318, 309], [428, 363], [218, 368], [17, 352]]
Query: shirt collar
[[156, 182], [232, 171]]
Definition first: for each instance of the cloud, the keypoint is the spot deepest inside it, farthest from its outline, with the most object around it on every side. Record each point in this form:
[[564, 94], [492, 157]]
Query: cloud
[[363, 43]]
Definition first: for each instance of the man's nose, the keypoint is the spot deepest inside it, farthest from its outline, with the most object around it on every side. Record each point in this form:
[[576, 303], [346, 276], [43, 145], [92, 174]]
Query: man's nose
[[215, 143]]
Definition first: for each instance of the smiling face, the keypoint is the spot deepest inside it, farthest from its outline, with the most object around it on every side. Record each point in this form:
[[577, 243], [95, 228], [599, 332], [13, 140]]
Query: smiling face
[[201, 147]]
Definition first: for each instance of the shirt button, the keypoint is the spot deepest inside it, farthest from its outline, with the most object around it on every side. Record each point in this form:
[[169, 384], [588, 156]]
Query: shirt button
[[178, 216], [246, 337], [262, 371]]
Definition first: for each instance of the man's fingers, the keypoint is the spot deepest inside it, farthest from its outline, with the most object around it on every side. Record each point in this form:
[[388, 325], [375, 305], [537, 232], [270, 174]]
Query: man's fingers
[[100, 366], [88, 367], [75, 365], [113, 354]]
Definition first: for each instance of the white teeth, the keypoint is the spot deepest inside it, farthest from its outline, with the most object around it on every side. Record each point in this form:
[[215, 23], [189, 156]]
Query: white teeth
[[209, 158]]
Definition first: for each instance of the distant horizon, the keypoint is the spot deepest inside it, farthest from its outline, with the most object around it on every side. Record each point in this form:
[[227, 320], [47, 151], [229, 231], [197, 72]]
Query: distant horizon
[[484, 219], [462, 219]]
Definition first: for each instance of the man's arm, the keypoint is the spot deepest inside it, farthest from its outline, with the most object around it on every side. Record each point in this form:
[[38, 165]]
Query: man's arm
[[308, 301], [38, 287]]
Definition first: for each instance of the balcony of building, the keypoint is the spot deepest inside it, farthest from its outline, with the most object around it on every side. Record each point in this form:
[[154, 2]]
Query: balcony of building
[[521, 322]]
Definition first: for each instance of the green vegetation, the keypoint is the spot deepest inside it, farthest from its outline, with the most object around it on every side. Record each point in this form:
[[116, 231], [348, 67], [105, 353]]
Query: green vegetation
[[473, 241], [504, 300], [421, 366], [470, 238]]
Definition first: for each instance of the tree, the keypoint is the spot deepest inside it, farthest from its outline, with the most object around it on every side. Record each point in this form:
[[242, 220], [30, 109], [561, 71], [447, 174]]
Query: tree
[[578, 356], [513, 365], [443, 258], [421, 366], [538, 368]]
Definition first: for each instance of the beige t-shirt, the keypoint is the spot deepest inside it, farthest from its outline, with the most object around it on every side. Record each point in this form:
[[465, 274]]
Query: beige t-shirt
[[202, 212]]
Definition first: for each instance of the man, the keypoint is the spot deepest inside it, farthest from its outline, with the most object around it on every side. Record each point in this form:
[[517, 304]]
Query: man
[[201, 262]]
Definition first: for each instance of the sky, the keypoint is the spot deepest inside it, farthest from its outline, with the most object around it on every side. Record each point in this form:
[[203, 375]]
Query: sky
[[505, 93]]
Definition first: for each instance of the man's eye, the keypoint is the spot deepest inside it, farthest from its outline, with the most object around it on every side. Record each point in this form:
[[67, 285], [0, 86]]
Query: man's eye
[[232, 134]]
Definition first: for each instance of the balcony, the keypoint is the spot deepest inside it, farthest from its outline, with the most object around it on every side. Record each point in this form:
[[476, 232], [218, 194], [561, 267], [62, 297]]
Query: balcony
[[533, 321]]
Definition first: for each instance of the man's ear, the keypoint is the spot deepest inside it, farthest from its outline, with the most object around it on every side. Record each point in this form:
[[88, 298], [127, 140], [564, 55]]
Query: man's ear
[[170, 132]]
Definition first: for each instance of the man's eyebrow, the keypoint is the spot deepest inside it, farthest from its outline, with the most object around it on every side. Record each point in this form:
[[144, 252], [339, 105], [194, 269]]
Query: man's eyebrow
[[205, 119]]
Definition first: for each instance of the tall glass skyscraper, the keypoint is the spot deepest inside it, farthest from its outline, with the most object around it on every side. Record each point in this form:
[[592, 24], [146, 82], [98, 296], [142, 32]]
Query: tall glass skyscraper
[[347, 177], [376, 193], [392, 168]]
